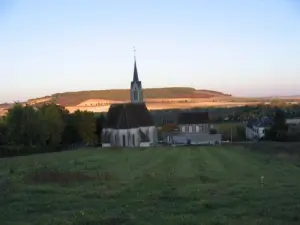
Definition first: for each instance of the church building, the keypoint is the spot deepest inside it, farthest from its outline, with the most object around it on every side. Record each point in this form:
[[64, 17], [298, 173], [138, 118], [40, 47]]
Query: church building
[[130, 124]]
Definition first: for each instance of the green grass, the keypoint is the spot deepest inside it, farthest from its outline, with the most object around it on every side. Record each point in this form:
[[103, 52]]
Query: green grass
[[205, 185]]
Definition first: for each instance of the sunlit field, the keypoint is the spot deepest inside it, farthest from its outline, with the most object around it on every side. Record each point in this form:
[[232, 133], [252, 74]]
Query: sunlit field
[[159, 186]]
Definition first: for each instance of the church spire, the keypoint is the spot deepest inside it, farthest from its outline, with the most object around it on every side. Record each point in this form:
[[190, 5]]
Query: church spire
[[135, 72], [136, 92]]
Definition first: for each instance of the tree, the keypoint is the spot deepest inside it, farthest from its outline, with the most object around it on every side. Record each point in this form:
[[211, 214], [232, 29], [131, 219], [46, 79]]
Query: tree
[[51, 125], [100, 120], [278, 103], [278, 130], [70, 134], [22, 125], [86, 126], [3, 132]]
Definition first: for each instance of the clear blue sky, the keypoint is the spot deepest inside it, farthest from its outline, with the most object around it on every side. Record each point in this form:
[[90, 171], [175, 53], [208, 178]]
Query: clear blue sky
[[242, 47]]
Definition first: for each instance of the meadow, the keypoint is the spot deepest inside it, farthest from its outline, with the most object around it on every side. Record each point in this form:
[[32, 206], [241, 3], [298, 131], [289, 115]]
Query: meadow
[[178, 186]]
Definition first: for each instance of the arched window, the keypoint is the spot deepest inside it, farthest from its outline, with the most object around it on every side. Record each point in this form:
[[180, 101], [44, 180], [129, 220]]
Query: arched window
[[124, 140], [116, 139]]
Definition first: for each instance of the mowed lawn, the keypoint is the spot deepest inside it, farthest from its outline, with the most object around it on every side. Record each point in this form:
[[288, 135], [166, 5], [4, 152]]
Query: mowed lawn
[[159, 186]]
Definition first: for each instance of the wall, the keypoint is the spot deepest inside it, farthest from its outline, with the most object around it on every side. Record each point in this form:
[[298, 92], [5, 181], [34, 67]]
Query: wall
[[145, 144], [105, 145], [130, 134], [249, 133], [254, 133], [195, 139]]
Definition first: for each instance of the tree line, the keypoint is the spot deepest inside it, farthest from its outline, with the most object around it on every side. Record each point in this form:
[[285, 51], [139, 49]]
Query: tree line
[[26, 129], [279, 131]]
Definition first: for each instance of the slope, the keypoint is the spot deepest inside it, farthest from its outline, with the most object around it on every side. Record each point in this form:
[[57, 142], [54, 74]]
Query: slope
[[75, 98]]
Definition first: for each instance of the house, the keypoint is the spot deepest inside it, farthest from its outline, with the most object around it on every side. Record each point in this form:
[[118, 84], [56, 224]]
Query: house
[[193, 122], [293, 125], [195, 128], [255, 129], [130, 124]]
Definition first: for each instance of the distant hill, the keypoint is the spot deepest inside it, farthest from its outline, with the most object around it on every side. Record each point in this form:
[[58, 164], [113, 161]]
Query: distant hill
[[75, 98]]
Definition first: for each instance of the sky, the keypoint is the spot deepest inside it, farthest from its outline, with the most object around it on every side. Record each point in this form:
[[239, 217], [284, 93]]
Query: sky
[[240, 47]]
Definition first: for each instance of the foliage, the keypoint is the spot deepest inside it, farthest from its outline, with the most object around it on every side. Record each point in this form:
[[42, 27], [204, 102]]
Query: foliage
[[213, 131], [3, 132], [278, 131], [169, 127], [234, 130], [186, 185], [26, 129]]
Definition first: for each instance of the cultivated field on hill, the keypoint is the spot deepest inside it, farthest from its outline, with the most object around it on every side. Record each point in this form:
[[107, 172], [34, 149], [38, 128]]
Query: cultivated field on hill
[[201, 185], [75, 98]]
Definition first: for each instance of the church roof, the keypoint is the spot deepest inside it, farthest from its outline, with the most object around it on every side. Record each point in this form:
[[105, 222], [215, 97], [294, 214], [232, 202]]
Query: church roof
[[128, 115], [193, 118]]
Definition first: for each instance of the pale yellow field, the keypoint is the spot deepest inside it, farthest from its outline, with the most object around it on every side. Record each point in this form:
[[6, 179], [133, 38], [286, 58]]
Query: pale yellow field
[[168, 104], [102, 105]]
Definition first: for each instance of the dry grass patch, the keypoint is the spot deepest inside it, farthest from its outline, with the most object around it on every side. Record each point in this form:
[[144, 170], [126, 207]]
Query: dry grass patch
[[56, 176]]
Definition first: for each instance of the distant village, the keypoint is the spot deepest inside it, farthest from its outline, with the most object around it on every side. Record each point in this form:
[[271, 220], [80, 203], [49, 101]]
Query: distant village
[[130, 123]]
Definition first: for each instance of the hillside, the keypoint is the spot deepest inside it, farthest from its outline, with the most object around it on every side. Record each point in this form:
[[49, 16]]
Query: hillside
[[75, 98]]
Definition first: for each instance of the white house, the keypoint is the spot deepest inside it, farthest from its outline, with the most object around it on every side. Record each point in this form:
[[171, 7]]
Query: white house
[[256, 129], [130, 124], [255, 132]]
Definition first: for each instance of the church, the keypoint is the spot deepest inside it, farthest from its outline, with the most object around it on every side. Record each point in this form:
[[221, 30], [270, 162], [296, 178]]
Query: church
[[130, 124]]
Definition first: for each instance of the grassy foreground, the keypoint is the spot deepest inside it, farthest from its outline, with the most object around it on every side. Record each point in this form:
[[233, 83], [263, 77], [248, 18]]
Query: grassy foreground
[[205, 185]]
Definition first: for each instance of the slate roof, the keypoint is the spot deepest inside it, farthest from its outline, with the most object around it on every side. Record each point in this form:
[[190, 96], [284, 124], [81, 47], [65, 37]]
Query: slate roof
[[263, 122], [193, 118], [128, 115]]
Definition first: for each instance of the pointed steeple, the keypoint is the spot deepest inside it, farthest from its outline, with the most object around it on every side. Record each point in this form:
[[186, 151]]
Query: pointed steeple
[[135, 72], [136, 92]]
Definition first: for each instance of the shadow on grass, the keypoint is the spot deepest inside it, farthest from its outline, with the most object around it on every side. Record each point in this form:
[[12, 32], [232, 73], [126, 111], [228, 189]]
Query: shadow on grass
[[46, 176]]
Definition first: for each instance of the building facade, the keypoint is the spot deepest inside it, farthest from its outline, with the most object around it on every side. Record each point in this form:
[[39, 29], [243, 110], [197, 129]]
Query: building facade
[[195, 129], [255, 129]]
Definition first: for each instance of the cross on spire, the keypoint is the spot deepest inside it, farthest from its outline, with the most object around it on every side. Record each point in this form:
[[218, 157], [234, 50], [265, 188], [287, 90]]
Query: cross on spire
[[135, 73], [134, 52]]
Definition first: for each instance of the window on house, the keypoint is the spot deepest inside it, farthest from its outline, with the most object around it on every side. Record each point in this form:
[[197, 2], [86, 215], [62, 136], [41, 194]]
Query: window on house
[[197, 128], [190, 129], [183, 129]]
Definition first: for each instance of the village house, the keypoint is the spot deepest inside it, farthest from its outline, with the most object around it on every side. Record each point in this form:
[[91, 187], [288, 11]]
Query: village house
[[130, 124], [194, 129], [255, 129]]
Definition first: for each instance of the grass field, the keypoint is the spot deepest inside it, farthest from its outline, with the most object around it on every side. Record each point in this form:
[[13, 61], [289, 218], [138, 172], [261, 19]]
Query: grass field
[[205, 185]]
